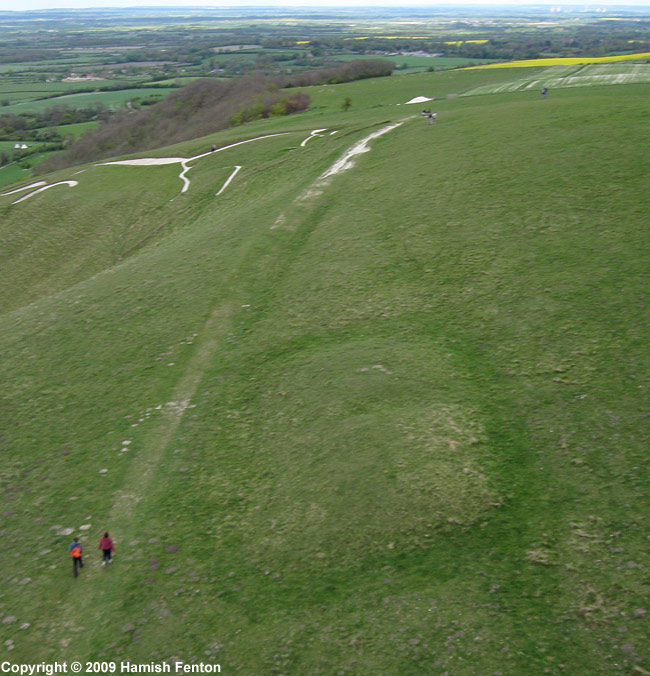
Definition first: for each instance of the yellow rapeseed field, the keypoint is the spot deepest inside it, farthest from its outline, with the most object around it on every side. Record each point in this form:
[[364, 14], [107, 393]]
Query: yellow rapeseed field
[[468, 42], [567, 61]]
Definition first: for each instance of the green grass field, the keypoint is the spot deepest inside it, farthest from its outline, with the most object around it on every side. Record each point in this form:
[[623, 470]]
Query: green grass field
[[76, 129], [21, 92], [46, 64], [176, 81], [8, 146], [422, 63], [111, 99], [11, 173], [552, 77], [26, 90], [391, 422]]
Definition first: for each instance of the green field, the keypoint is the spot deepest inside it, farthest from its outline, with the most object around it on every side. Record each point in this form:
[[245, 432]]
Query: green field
[[393, 421], [422, 63], [43, 64], [11, 173], [6, 146], [76, 129], [553, 77], [30, 91], [174, 82], [111, 99]]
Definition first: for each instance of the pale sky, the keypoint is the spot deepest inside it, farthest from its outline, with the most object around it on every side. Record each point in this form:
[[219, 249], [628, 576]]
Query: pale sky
[[14, 5]]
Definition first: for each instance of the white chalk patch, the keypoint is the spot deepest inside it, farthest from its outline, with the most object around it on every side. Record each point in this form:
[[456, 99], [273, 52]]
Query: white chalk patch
[[419, 99], [279, 221], [146, 161], [227, 183], [25, 187], [347, 160], [239, 143], [342, 164], [46, 187], [315, 132], [186, 181]]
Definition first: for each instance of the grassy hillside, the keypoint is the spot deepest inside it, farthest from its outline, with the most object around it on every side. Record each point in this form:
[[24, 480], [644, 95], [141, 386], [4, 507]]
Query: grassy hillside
[[391, 422]]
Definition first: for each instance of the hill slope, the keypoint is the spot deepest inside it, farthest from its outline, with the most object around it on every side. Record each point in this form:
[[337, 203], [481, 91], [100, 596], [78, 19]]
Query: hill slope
[[390, 420]]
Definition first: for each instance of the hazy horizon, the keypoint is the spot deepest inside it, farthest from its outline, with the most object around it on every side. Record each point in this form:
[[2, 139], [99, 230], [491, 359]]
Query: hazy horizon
[[6, 5]]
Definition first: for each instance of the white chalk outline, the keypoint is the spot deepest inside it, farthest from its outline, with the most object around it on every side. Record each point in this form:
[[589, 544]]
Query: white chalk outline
[[155, 161], [35, 192], [314, 133], [227, 183], [25, 187]]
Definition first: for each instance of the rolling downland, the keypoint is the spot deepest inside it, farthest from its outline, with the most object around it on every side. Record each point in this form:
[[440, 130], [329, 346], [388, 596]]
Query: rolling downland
[[391, 421]]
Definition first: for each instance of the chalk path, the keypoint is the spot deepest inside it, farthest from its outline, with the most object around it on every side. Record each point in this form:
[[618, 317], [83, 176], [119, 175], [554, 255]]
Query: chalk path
[[345, 162]]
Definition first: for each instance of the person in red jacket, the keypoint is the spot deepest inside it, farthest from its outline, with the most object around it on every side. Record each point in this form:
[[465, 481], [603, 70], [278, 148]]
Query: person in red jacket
[[106, 545]]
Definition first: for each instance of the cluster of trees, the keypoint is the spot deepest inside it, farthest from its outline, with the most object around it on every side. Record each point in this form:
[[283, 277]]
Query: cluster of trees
[[344, 72], [38, 126], [270, 106], [203, 107], [9, 55]]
